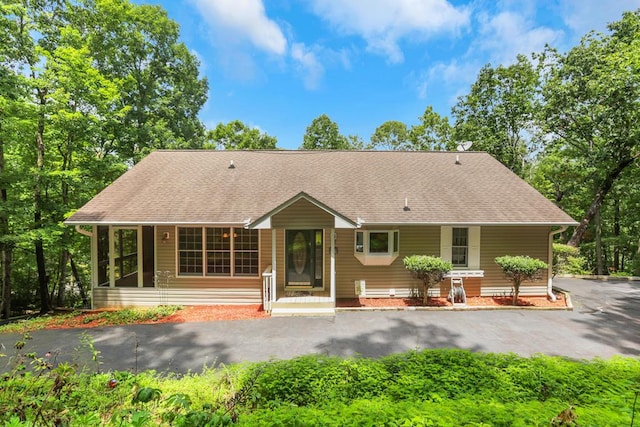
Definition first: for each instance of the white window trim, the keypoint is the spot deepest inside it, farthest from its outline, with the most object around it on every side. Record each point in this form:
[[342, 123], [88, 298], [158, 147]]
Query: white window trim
[[376, 258], [473, 253], [204, 274]]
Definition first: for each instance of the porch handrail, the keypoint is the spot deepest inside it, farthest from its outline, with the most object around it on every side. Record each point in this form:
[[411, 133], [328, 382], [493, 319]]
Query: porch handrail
[[268, 289]]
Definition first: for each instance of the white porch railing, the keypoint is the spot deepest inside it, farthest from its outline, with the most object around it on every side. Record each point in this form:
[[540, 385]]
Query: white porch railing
[[268, 289]]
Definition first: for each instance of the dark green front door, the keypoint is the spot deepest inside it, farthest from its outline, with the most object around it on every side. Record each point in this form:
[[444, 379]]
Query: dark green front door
[[304, 258]]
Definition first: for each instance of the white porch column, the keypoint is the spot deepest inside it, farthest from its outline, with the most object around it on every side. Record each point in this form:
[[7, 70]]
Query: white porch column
[[140, 259], [274, 285], [94, 256], [112, 260], [333, 265]]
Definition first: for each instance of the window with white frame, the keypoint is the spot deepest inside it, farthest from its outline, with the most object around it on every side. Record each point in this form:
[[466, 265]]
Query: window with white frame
[[217, 251], [377, 247], [460, 247]]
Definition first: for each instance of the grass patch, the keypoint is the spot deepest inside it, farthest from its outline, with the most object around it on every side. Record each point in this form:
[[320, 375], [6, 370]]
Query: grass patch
[[123, 316]]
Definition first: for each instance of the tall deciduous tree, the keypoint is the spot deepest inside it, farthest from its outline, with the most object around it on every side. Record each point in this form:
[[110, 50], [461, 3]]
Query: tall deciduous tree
[[498, 113], [391, 135], [87, 88], [592, 108], [161, 90], [235, 135], [432, 133], [323, 134]]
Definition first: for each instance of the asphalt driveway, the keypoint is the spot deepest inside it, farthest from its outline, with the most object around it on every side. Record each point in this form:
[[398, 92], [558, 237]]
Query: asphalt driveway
[[605, 322]]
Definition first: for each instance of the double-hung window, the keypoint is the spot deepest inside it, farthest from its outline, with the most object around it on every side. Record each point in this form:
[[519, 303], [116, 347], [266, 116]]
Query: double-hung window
[[377, 247], [460, 247], [190, 251], [217, 251]]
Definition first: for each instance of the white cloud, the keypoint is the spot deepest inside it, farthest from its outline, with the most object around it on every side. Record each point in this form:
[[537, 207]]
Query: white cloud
[[452, 75], [308, 64], [383, 23], [237, 21], [508, 34], [497, 39], [583, 16]]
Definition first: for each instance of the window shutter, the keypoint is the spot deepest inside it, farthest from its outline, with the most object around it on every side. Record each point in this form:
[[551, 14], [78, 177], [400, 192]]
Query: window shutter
[[446, 236], [474, 248]]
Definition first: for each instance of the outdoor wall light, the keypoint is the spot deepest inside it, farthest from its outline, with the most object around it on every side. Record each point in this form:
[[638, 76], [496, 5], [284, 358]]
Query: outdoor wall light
[[165, 237]]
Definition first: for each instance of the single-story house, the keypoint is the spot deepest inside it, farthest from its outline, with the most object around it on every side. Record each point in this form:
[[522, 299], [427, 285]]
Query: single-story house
[[295, 230]]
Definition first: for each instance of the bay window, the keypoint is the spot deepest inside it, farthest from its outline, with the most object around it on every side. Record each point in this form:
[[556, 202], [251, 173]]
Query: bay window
[[377, 247]]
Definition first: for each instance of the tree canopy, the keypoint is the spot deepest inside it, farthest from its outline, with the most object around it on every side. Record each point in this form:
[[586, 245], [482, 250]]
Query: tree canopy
[[323, 134], [235, 135]]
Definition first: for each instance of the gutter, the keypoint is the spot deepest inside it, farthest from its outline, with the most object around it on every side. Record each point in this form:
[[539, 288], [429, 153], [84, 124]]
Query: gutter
[[550, 263]]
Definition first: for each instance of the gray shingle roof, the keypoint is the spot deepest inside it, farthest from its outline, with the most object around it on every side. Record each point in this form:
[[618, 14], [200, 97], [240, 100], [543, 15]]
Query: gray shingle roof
[[198, 187]]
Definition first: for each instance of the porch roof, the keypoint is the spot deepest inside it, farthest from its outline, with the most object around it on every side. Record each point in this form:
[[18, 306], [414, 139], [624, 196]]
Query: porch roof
[[340, 221], [358, 187]]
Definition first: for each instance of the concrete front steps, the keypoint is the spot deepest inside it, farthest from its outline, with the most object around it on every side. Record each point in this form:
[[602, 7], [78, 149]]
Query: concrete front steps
[[315, 306]]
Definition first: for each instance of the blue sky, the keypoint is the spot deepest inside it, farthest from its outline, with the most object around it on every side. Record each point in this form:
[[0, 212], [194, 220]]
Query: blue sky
[[278, 64]]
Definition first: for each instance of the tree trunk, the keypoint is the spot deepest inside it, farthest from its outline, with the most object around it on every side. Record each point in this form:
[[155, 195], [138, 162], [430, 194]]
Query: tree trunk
[[5, 245], [601, 193], [599, 267], [7, 259], [516, 289], [43, 280], [62, 279], [616, 232], [76, 276]]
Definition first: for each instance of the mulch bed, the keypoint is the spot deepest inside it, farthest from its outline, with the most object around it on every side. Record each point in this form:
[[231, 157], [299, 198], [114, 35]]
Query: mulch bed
[[209, 313], [442, 302]]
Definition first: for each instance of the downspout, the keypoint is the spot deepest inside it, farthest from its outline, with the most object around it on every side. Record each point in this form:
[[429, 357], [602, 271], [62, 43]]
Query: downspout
[[550, 263], [83, 231]]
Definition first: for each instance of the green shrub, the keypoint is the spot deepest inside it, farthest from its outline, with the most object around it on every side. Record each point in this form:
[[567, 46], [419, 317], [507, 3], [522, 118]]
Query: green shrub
[[518, 269], [429, 269], [567, 260], [416, 388]]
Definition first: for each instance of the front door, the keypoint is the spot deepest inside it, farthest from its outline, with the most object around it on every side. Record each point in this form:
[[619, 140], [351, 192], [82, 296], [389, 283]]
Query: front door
[[304, 258]]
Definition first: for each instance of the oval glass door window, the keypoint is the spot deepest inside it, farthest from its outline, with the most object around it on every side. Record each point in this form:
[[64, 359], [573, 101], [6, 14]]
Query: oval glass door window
[[299, 252]]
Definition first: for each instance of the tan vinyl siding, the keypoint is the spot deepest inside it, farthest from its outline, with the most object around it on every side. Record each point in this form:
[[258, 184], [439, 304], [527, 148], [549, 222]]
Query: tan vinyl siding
[[507, 240], [126, 297], [265, 250], [302, 214], [423, 240]]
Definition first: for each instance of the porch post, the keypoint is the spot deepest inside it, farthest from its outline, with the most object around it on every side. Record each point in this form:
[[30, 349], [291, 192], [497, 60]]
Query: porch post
[[94, 257], [112, 260], [94, 262], [274, 285], [333, 265], [140, 259]]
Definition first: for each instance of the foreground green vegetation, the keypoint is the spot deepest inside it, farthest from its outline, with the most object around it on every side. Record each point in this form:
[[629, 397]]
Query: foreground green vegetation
[[122, 316], [416, 388]]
